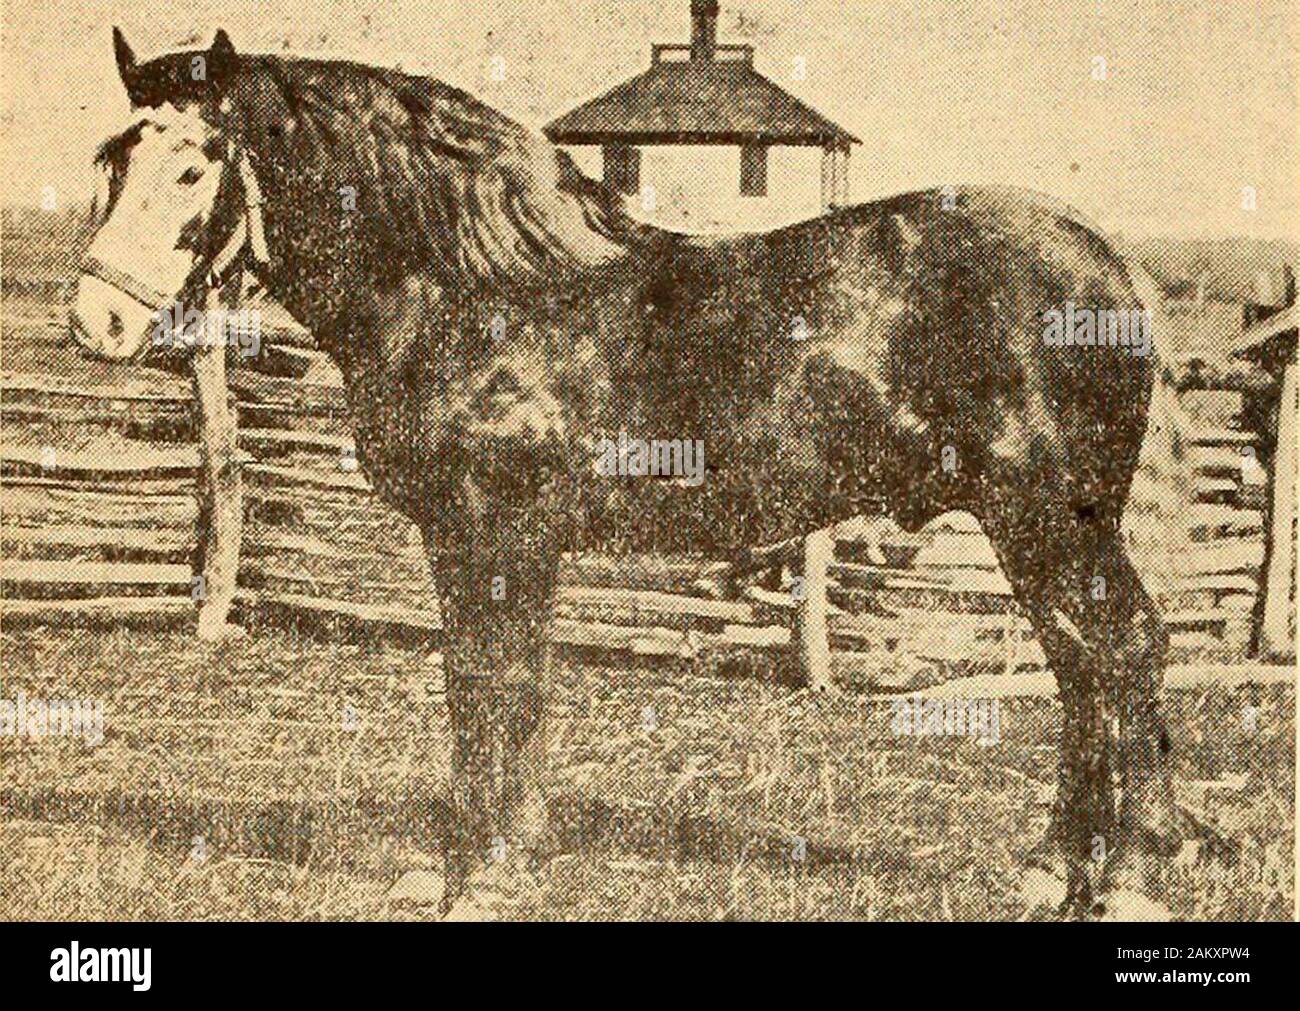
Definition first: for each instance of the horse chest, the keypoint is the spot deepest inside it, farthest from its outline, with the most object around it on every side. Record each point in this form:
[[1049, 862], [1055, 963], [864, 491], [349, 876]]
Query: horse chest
[[422, 435]]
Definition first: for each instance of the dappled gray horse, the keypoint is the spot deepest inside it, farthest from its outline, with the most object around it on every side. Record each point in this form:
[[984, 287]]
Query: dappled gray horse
[[496, 314]]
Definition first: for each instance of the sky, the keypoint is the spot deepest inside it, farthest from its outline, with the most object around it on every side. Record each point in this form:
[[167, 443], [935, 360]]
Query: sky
[[1198, 100]]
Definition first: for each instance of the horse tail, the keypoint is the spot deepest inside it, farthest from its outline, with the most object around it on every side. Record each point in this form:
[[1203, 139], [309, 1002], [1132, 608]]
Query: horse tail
[[1155, 519]]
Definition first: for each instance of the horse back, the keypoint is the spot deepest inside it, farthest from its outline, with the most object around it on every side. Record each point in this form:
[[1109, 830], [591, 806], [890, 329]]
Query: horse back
[[935, 305]]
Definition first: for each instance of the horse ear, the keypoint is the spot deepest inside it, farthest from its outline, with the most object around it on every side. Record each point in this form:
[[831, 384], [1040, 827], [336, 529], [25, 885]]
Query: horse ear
[[222, 48], [221, 57], [125, 58]]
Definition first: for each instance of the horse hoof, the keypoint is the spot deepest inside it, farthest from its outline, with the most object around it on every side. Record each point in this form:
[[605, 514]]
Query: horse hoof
[[1138, 856], [1041, 889], [491, 891], [1045, 884], [1127, 898], [1131, 876]]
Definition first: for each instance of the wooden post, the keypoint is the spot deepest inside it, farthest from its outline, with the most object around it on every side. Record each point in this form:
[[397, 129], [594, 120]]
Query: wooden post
[[1275, 633], [753, 170], [810, 619], [221, 505]]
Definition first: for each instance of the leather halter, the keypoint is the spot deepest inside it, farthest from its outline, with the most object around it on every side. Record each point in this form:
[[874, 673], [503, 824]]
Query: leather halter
[[249, 236]]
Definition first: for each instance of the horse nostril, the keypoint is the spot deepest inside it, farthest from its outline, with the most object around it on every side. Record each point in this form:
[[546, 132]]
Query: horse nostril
[[115, 327]]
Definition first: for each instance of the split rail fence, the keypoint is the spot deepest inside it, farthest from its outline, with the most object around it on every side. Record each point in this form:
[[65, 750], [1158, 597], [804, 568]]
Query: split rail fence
[[99, 512]]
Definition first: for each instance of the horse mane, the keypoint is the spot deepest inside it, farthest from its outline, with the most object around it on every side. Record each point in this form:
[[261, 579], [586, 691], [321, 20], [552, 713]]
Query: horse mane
[[443, 182]]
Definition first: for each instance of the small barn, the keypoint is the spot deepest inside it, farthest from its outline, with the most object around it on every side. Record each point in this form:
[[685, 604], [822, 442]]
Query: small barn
[[707, 94]]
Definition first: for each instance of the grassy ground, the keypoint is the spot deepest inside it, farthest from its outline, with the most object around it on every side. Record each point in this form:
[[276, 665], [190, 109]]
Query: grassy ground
[[303, 774], [292, 779]]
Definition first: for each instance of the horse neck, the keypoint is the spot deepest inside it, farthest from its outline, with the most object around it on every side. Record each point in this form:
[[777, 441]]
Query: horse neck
[[373, 321], [333, 276]]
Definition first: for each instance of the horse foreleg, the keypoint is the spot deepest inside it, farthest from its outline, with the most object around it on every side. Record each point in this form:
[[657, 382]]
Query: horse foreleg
[[1082, 830], [496, 587]]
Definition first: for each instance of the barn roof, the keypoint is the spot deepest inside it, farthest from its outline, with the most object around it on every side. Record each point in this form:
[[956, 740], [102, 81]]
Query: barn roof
[[715, 96], [697, 102]]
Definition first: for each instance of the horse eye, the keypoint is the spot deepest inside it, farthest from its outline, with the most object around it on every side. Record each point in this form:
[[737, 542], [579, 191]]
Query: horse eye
[[190, 176]]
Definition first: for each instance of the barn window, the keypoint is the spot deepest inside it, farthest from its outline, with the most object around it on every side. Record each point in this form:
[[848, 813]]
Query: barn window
[[753, 170], [622, 168]]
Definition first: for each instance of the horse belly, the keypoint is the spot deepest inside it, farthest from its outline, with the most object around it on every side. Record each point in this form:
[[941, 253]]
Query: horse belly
[[821, 448]]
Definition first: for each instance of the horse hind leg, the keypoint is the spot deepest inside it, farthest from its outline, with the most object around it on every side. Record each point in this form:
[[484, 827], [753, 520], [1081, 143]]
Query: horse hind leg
[[1049, 560], [1137, 642]]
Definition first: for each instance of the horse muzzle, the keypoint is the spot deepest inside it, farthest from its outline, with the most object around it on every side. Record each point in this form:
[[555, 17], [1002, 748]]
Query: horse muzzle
[[109, 323]]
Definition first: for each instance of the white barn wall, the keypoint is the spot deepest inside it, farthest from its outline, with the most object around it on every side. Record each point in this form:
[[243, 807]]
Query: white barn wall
[[697, 189]]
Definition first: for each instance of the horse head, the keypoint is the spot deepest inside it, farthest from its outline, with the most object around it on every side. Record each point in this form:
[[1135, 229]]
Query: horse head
[[180, 207]]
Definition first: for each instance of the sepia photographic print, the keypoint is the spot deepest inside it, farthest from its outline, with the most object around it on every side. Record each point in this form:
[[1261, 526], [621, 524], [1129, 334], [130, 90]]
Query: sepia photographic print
[[648, 460]]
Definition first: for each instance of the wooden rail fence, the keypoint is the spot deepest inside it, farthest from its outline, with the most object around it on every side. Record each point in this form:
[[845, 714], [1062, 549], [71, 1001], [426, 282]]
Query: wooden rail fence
[[100, 509]]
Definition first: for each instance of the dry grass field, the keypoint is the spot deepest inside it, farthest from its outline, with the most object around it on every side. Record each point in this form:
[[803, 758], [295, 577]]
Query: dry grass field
[[288, 778], [285, 778]]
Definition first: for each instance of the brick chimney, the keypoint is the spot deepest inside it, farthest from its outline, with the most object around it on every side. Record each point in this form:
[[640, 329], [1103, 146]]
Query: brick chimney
[[704, 29]]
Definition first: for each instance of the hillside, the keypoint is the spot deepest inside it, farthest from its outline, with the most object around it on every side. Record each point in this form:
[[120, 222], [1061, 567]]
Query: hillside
[[40, 249], [1227, 265]]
